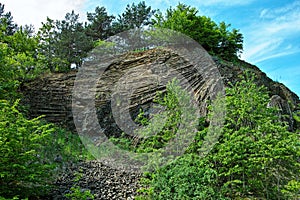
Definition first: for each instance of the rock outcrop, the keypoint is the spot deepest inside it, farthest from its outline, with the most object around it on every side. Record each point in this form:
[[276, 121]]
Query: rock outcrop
[[231, 72], [146, 73], [284, 110], [51, 95]]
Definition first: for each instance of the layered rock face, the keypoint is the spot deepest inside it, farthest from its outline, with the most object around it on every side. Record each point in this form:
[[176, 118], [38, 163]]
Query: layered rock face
[[136, 77], [51, 95]]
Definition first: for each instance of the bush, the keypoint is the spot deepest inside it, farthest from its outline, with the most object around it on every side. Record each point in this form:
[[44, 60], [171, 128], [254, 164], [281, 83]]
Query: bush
[[22, 171], [66, 145], [188, 177], [79, 194], [158, 129], [256, 156]]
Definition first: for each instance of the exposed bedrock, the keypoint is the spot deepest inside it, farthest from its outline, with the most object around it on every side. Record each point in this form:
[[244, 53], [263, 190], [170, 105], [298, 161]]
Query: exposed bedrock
[[138, 76]]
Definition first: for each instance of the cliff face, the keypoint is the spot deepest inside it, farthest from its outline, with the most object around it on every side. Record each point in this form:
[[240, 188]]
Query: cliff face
[[51, 95]]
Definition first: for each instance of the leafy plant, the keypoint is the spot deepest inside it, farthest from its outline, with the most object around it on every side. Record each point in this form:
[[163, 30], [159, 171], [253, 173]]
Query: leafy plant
[[157, 130], [134, 16], [292, 190], [163, 127], [256, 155], [188, 177], [66, 145], [22, 171], [216, 39], [123, 142], [28, 150], [78, 194]]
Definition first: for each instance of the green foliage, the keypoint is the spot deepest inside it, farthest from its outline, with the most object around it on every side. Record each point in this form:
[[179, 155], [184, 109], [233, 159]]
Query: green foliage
[[135, 16], [160, 128], [14, 198], [72, 44], [21, 169], [58, 44], [18, 60], [296, 117], [104, 44], [66, 145], [47, 48], [292, 190], [256, 156], [188, 177], [141, 119], [78, 194], [28, 151], [100, 24], [123, 142], [156, 133], [6, 20], [63, 43], [216, 39]]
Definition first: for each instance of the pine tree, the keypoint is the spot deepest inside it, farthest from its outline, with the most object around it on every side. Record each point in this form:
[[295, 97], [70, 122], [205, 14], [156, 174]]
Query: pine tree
[[72, 42], [135, 16], [100, 24]]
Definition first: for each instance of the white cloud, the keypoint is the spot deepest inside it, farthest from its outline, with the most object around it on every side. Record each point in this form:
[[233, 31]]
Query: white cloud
[[275, 55], [36, 11], [258, 49], [270, 36], [263, 13]]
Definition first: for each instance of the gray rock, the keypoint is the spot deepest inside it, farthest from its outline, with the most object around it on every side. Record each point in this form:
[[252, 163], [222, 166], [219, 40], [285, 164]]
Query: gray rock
[[103, 182], [51, 95]]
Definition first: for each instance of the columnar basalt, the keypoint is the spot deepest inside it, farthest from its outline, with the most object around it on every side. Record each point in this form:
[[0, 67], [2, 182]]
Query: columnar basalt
[[51, 94]]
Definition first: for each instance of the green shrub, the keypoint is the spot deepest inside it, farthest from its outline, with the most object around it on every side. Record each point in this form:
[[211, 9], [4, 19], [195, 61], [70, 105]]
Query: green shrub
[[292, 190], [66, 145], [79, 194], [22, 171], [76, 192], [188, 177], [28, 151], [218, 39], [256, 155]]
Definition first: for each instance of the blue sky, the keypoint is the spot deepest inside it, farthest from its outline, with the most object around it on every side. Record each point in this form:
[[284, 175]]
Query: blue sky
[[271, 28]]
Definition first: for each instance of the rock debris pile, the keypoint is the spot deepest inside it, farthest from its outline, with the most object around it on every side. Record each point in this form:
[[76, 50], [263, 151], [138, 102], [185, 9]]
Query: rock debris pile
[[103, 182]]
